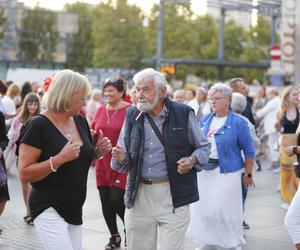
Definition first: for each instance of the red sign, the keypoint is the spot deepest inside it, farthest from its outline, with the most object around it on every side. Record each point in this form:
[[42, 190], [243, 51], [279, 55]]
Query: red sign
[[275, 52]]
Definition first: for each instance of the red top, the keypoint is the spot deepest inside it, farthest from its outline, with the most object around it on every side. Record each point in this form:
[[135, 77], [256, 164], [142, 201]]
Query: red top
[[110, 122]]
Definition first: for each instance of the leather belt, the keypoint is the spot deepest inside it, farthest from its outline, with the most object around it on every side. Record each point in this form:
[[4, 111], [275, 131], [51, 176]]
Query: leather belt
[[211, 160], [150, 182]]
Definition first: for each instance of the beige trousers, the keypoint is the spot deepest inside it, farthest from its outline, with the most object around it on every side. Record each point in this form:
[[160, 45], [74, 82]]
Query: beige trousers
[[153, 215]]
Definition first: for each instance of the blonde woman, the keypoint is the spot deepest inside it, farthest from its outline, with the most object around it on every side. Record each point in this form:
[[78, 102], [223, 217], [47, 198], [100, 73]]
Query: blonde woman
[[9, 104], [56, 150], [288, 119]]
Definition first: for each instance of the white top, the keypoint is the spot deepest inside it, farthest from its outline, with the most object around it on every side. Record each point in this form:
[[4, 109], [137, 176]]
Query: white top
[[205, 106], [9, 105], [1, 105], [216, 124], [9, 108], [269, 114]]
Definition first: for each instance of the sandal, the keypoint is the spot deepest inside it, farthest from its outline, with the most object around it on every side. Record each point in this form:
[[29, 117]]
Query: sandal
[[114, 242], [28, 220]]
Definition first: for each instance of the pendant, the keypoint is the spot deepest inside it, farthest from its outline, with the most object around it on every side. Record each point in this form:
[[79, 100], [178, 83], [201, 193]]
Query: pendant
[[108, 121]]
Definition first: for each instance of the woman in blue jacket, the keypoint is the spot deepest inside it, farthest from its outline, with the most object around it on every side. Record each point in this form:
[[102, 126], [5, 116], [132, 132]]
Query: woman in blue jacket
[[217, 218]]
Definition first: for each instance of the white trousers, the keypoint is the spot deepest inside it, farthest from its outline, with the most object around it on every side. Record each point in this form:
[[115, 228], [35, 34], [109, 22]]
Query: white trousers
[[273, 140], [292, 218], [56, 233], [153, 215]]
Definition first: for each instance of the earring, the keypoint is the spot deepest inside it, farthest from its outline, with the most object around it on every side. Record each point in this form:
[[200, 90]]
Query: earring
[[67, 110]]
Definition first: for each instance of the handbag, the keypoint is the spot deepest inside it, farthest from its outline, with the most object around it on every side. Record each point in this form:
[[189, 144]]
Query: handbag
[[3, 175], [288, 140], [285, 141]]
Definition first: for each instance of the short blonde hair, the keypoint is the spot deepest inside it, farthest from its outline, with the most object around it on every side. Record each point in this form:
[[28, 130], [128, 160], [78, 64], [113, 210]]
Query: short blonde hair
[[64, 84]]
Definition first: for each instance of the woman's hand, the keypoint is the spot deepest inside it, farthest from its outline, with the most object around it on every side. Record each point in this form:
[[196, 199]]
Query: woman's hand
[[248, 181], [103, 145], [289, 150], [69, 152]]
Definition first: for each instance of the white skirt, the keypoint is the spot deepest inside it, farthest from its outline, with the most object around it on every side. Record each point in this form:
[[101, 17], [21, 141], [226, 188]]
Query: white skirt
[[217, 218]]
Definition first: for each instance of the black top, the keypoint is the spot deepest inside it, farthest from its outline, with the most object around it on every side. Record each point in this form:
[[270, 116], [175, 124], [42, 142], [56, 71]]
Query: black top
[[289, 127], [64, 190], [248, 113]]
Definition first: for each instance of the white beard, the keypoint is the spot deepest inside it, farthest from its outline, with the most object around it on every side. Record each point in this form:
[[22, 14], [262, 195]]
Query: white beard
[[146, 106]]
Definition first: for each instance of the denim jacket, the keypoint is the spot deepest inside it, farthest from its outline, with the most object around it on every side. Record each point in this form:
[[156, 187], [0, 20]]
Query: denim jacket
[[232, 138]]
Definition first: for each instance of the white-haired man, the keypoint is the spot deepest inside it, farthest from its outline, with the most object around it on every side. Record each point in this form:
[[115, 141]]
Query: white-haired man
[[162, 146], [200, 104]]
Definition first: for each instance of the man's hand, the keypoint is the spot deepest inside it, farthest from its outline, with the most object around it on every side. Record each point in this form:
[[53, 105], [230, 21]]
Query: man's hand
[[185, 164], [118, 154]]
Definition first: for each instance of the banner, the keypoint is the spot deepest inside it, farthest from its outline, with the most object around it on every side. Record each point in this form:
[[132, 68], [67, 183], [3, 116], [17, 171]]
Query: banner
[[289, 28]]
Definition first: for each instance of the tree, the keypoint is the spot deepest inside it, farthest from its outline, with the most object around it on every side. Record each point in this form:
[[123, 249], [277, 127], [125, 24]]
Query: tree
[[38, 34], [81, 44], [181, 39], [257, 47], [118, 35]]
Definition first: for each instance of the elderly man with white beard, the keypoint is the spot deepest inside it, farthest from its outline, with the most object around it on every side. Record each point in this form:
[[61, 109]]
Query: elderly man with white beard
[[162, 147]]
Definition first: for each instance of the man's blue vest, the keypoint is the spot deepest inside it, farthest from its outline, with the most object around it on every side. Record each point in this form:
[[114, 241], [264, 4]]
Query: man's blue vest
[[183, 187]]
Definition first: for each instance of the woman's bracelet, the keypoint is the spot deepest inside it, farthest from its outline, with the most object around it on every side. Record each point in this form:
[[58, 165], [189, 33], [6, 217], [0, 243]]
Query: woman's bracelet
[[51, 165], [98, 155]]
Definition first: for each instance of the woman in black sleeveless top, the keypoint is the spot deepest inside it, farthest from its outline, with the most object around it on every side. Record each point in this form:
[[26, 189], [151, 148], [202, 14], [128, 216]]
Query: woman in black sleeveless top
[[289, 120]]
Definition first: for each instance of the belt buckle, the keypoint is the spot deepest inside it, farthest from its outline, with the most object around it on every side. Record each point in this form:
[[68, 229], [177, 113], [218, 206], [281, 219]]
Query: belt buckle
[[146, 181]]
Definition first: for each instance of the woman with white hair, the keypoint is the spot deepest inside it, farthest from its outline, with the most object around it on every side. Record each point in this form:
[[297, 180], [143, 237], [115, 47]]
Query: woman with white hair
[[92, 105], [238, 105], [217, 218], [56, 150]]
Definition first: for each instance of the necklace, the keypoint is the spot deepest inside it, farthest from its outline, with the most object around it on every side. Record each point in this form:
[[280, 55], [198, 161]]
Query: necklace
[[68, 132], [109, 118]]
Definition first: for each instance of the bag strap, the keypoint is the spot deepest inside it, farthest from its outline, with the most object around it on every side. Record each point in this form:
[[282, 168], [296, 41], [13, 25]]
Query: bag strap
[[156, 130]]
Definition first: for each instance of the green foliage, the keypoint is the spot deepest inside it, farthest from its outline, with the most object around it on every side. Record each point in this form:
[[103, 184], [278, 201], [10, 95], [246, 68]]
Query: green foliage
[[118, 35], [183, 37], [38, 37], [81, 44]]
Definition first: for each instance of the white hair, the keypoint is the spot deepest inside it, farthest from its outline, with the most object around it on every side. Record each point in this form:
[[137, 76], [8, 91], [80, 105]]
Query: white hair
[[159, 78], [238, 103], [95, 92], [221, 88]]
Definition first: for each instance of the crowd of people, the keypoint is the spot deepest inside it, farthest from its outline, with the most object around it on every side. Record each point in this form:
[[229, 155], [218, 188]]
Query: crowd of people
[[169, 164]]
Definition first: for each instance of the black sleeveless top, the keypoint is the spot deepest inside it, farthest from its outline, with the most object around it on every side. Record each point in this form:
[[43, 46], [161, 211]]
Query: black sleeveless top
[[64, 190], [289, 127]]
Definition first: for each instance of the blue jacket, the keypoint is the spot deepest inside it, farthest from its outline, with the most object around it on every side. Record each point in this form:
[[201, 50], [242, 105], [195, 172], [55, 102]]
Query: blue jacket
[[183, 188], [231, 138]]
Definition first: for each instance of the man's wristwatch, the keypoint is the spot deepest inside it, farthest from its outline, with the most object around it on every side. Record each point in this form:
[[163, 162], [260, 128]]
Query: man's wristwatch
[[193, 160], [249, 175], [295, 150]]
